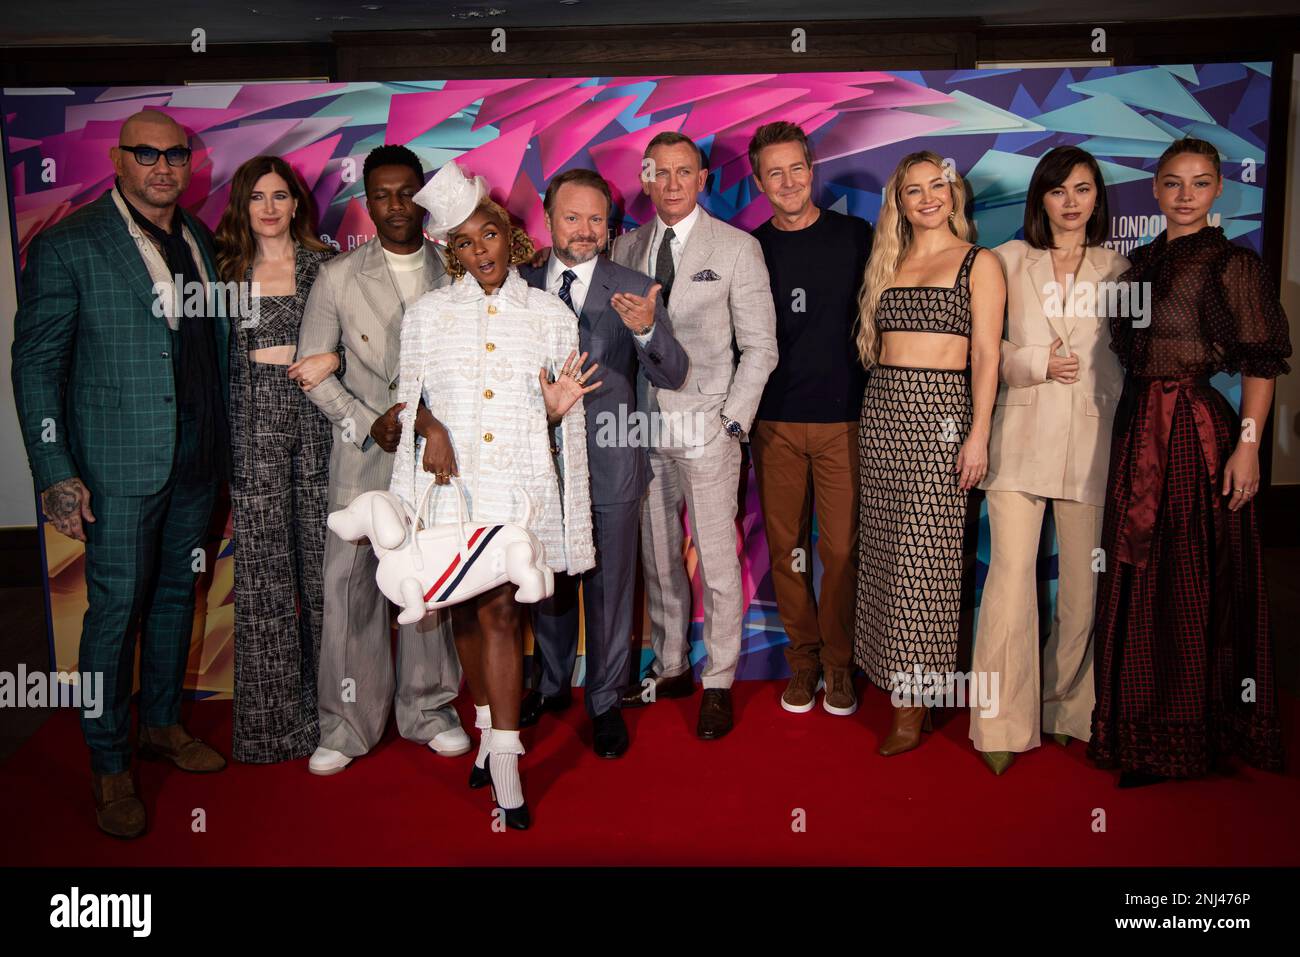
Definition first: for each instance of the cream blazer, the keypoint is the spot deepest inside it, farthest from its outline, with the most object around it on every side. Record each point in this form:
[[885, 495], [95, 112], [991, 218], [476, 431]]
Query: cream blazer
[[474, 359], [1049, 438]]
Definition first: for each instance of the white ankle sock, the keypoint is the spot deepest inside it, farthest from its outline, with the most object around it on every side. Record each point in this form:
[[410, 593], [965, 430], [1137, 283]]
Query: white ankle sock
[[482, 722], [506, 749]]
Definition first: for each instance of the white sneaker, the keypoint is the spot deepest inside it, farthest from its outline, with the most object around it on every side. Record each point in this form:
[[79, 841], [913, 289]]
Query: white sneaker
[[451, 743], [327, 761]]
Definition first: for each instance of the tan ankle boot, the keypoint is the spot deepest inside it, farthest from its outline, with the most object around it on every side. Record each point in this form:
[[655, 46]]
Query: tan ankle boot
[[905, 732], [178, 746], [117, 810]]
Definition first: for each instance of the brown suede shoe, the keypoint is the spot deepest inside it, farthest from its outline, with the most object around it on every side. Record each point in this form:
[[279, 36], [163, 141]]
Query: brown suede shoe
[[180, 748], [118, 812], [801, 692], [839, 698]]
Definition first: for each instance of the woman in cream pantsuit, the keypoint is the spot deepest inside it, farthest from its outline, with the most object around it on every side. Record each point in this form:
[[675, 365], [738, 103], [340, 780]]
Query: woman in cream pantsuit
[[1050, 441]]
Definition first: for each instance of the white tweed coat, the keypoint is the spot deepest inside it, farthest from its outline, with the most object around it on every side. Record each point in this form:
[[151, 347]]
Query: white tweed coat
[[475, 358]]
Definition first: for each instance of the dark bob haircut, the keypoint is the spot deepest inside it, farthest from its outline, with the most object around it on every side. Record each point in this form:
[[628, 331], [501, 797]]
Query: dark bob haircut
[[1052, 171]]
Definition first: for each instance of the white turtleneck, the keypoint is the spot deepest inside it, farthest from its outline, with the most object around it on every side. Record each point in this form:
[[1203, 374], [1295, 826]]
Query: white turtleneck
[[408, 272]]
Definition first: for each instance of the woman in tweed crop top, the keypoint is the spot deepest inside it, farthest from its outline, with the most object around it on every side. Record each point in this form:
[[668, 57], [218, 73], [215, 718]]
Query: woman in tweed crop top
[[930, 344], [280, 465]]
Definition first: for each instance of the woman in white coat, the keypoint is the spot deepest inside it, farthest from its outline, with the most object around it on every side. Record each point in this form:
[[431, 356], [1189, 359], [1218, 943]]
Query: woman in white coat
[[1050, 442], [492, 384]]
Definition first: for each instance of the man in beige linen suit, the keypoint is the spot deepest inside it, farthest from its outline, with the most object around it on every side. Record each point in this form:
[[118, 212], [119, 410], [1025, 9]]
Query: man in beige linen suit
[[1050, 441], [357, 302], [715, 284]]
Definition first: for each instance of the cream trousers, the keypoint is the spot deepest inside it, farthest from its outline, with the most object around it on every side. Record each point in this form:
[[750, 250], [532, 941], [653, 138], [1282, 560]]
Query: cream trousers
[[1006, 639]]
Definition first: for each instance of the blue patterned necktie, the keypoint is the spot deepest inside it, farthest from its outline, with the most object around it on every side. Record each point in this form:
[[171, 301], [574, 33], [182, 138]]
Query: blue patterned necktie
[[566, 281]]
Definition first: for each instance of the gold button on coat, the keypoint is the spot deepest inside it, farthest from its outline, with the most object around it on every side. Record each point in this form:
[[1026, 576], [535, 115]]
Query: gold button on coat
[[487, 393], [487, 436], [490, 346], [492, 310]]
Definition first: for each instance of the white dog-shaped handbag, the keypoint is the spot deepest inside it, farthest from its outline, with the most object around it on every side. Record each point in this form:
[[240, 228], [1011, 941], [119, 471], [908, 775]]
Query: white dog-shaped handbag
[[421, 569]]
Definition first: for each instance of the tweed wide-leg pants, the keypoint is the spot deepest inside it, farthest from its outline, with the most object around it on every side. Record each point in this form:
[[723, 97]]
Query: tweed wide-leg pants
[[279, 498]]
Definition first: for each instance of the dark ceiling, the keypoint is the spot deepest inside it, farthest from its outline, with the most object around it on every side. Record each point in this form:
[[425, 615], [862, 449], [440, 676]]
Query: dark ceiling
[[106, 22]]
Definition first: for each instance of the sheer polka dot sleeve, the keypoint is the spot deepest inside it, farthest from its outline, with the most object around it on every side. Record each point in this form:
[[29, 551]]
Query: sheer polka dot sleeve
[[1121, 325], [1249, 327]]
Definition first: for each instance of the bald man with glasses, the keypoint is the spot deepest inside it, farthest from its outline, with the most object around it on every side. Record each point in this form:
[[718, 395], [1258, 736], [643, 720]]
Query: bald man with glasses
[[120, 381]]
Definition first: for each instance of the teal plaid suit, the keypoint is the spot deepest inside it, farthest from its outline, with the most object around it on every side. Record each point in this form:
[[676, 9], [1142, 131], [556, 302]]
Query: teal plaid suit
[[96, 397]]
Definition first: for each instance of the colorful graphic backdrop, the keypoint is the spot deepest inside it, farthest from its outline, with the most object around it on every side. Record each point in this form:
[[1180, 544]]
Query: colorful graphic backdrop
[[992, 124]]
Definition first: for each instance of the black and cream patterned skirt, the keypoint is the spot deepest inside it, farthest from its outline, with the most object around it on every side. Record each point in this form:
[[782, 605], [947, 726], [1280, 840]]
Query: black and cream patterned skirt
[[912, 517]]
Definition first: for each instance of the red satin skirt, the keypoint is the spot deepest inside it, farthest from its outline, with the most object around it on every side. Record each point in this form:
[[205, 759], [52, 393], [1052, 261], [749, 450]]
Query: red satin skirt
[[1184, 655]]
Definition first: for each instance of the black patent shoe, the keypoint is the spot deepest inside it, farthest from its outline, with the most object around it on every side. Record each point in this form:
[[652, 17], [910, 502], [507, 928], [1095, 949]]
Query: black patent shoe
[[536, 704], [518, 817], [609, 734], [480, 777]]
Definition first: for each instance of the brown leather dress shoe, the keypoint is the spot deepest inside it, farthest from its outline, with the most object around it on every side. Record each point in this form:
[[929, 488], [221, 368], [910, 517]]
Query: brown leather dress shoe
[[678, 686], [118, 812], [182, 749], [715, 714]]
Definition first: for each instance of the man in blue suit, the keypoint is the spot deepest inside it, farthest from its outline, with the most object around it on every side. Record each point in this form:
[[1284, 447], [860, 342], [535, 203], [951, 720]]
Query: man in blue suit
[[624, 327]]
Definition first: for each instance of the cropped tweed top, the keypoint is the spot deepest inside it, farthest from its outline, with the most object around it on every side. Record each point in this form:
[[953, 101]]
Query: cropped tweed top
[[277, 318]]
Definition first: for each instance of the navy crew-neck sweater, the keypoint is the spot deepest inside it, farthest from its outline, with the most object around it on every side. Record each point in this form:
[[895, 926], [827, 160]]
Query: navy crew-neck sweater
[[816, 273]]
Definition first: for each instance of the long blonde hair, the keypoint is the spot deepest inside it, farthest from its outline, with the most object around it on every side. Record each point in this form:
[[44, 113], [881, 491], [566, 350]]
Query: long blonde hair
[[892, 242]]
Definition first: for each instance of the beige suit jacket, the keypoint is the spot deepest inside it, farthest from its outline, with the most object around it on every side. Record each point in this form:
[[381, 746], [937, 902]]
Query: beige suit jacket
[[1049, 438], [355, 301], [721, 294]]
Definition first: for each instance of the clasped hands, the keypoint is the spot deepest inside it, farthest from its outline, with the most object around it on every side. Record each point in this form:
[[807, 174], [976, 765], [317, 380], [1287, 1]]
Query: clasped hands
[[439, 458]]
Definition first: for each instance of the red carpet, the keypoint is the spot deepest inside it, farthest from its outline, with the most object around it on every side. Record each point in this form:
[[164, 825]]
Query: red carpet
[[672, 800]]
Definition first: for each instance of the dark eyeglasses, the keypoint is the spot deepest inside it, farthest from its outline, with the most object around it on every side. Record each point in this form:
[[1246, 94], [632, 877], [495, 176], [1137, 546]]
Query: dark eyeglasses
[[148, 155]]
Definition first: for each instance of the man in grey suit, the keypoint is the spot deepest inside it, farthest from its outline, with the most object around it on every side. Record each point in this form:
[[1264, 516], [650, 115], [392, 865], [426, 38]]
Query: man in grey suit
[[623, 326], [716, 287], [357, 303]]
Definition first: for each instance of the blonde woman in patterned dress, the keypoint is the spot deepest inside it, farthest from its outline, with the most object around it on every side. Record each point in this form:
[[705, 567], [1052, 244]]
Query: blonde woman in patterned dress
[[489, 368], [930, 344]]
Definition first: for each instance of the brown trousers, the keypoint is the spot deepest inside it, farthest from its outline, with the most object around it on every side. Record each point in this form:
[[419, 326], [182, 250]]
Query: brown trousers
[[800, 465]]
